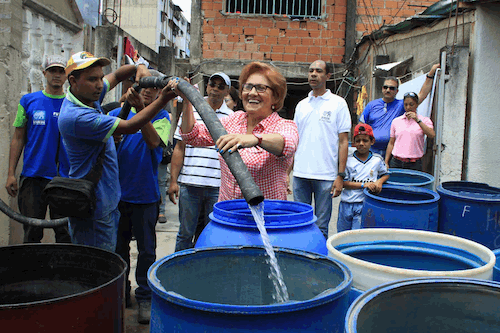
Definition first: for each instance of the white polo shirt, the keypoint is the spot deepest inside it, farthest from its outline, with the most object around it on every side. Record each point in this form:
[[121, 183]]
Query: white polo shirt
[[320, 120]]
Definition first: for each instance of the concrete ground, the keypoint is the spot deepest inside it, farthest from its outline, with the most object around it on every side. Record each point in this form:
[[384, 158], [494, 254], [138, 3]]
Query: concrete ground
[[166, 234]]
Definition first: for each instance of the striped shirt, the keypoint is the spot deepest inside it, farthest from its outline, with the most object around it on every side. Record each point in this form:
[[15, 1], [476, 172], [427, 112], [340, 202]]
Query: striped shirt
[[201, 164]]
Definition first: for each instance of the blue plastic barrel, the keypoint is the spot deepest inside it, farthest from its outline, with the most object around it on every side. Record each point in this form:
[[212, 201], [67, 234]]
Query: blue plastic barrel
[[407, 177], [496, 269], [403, 207], [227, 289], [427, 305], [289, 224], [470, 210]]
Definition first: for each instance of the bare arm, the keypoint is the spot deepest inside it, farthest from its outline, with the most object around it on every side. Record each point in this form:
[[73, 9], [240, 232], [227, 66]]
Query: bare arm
[[188, 119], [272, 142], [338, 184], [138, 121], [149, 134], [126, 71], [427, 86], [16, 148], [175, 169], [388, 152]]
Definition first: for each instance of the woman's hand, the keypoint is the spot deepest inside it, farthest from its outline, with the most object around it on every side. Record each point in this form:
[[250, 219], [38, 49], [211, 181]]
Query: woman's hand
[[411, 115], [175, 83], [233, 142]]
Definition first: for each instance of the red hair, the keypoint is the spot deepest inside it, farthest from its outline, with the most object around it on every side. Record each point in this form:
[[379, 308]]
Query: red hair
[[276, 80]]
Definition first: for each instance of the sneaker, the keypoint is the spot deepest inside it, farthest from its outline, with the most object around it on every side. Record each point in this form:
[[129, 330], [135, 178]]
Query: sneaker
[[162, 218], [144, 312]]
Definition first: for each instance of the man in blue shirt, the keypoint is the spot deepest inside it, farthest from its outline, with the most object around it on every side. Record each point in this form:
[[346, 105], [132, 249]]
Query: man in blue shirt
[[380, 113], [86, 130], [139, 156], [37, 133]]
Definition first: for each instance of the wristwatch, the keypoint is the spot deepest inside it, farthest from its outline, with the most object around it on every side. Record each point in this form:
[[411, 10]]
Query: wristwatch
[[419, 121], [341, 174], [259, 137]]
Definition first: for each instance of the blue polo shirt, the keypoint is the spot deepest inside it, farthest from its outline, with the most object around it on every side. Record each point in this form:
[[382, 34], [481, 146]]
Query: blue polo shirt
[[138, 164], [38, 112], [379, 115], [85, 131]]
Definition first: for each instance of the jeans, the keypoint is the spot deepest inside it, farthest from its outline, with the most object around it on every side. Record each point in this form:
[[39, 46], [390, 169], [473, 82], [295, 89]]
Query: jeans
[[31, 204], [303, 189], [99, 233], [395, 163], [349, 216], [163, 175], [141, 218], [191, 199]]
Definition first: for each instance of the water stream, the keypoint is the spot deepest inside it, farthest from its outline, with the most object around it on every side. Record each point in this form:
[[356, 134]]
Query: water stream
[[281, 293]]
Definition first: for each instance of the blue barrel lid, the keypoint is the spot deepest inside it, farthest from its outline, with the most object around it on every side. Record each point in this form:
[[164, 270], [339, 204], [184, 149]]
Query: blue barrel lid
[[187, 257], [420, 195], [470, 190], [277, 214]]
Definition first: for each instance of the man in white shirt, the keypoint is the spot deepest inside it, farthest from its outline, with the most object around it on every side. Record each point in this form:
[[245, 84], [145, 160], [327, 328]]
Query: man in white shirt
[[324, 122], [195, 171]]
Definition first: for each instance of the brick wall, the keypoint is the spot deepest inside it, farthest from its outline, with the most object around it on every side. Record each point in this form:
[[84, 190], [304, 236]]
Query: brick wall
[[275, 38]]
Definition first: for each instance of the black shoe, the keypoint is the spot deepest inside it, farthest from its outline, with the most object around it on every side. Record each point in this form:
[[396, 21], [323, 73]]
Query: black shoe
[[162, 218], [144, 312]]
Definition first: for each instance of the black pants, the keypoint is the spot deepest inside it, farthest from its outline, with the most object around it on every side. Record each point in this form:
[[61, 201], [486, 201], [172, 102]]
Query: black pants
[[31, 204], [395, 163]]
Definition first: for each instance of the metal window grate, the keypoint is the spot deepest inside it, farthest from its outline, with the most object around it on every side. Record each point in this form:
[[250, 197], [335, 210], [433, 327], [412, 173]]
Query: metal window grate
[[298, 8]]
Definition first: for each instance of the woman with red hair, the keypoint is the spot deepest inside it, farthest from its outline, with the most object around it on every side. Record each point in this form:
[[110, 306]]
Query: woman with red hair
[[266, 142]]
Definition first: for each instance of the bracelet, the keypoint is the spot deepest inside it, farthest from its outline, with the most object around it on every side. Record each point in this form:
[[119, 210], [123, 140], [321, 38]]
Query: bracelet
[[429, 77], [419, 121], [362, 185]]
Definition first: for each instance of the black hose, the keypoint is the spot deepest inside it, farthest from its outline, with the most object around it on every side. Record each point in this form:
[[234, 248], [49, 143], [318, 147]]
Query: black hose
[[30, 220], [251, 192]]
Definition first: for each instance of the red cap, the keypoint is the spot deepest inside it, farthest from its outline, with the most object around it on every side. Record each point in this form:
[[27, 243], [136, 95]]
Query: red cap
[[363, 129]]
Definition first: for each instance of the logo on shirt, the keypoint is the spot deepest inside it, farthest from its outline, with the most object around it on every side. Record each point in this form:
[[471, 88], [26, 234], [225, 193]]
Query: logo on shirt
[[39, 117], [326, 116], [55, 114]]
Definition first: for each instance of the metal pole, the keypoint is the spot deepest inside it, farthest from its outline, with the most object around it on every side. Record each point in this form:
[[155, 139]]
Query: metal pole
[[439, 121]]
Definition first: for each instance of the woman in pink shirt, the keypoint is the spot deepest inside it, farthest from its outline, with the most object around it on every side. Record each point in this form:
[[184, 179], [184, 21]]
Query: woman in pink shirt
[[265, 141], [406, 145]]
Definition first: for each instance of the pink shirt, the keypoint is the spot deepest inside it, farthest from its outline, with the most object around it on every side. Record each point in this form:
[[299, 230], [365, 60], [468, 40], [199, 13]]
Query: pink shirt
[[268, 170], [409, 137]]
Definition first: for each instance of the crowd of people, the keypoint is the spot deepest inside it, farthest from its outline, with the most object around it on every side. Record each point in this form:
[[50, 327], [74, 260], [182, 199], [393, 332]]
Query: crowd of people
[[69, 134]]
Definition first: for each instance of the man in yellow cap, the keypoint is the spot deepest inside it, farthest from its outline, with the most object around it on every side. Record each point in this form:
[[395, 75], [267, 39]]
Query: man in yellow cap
[[86, 131]]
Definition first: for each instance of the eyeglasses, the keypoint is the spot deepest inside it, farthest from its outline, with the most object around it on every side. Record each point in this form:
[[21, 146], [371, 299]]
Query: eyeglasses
[[260, 88], [410, 94], [389, 87], [220, 86]]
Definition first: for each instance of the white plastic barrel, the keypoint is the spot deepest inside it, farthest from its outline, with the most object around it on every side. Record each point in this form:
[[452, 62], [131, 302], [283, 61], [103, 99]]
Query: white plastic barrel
[[367, 275]]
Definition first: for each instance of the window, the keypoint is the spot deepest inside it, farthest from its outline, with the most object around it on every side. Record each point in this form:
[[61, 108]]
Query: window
[[298, 8]]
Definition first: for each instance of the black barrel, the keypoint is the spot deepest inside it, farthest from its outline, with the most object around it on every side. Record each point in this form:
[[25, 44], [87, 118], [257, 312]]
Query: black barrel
[[61, 288]]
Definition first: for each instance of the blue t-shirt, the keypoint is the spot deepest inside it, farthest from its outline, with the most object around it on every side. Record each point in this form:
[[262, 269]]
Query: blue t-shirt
[[85, 131], [379, 115], [138, 164], [39, 112]]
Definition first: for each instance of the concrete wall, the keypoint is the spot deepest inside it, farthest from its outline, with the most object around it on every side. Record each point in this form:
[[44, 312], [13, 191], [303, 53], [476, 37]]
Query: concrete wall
[[140, 19], [10, 72], [483, 158]]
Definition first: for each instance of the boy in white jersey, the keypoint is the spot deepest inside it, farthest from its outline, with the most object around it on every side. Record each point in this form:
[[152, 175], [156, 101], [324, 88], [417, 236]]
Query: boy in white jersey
[[363, 169]]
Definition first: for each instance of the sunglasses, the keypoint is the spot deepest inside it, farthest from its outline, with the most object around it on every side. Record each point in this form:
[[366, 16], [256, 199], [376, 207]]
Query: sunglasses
[[389, 87], [260, 88], [410, 94], [220, 86]]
